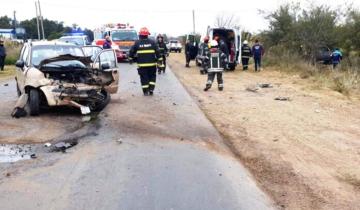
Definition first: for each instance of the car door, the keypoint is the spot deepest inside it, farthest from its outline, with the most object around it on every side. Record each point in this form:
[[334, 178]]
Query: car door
[[21, 70], [106, 63]]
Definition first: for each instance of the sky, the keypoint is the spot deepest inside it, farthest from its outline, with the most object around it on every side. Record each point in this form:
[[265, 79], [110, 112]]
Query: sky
[[160, 16]]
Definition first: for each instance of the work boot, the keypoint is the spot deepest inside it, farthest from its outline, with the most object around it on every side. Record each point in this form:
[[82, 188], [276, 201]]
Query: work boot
[[208, 86], [187, 65], [151, 92], [221, 88], [146, 93]]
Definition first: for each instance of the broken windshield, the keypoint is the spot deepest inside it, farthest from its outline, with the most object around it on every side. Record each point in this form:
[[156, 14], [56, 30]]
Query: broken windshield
[[40, 53]]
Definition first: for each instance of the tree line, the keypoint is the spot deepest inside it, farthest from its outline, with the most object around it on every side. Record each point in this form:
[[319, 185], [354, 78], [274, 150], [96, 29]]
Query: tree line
[[304, 31], [52, 29]]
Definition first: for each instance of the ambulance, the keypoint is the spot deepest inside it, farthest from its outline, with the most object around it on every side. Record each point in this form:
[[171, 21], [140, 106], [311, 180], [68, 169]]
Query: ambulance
[[123, 36]]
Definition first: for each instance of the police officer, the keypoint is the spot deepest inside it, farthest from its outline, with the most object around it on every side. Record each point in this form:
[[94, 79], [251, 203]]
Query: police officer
[[245, 55], [336, 57], [148, 55], [107, 44], [204, 55], [2, 55], [216, 67], [163, 53], [258, 52]]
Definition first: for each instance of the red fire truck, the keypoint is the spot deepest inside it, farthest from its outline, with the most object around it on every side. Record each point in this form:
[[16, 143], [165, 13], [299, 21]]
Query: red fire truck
[[123, 36]]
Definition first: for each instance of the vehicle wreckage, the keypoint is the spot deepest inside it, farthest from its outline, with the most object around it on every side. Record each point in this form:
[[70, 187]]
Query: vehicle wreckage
[[53, 74]]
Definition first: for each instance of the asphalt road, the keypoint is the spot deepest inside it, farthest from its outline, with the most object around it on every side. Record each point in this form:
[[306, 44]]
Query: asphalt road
[[157, 152]]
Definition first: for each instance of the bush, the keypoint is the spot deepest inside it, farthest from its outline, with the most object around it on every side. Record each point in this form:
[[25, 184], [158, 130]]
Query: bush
[[12, 51]]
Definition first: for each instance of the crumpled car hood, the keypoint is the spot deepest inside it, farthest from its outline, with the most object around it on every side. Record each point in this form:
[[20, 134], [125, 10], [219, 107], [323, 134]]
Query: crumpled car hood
[[84, 59]]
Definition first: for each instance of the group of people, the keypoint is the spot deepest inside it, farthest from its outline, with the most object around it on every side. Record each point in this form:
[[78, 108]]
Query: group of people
[[257, 52]]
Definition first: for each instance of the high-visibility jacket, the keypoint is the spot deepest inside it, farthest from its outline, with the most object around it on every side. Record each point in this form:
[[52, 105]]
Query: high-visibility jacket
[[162, 48], [246, 51], [146, 52]]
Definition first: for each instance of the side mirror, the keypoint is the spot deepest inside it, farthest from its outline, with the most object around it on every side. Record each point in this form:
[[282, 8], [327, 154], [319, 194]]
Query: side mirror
[[20, 64], [105, 66]]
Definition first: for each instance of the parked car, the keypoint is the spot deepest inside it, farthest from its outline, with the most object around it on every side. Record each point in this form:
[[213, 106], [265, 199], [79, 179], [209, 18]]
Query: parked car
[[232, 37], [61, 74], [175, 45], [77, 40]]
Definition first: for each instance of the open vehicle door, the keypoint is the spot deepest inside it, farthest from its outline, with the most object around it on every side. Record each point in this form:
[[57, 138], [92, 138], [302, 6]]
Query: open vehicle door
[[106, 63]]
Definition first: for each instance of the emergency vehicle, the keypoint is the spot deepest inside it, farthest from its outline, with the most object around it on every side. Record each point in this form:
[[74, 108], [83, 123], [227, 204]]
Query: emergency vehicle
[[123, 36]]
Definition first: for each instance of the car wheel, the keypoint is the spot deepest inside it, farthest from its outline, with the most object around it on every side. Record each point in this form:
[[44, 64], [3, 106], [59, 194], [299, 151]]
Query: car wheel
[[101, 105], [34, 102]]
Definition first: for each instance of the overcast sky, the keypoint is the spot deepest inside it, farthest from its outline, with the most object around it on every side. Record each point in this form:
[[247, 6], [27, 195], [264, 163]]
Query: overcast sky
[[162, 16]]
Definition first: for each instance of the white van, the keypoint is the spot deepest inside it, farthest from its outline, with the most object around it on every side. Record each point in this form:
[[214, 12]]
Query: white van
[[232, 38]]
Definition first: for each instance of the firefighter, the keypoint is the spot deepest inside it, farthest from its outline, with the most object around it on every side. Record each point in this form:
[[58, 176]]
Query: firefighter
[[245, 55], [204, 55], [336, 57], [258, 52], [147, 55], [163, 53], [223, 47], [107, 44], [188, 48], [2, 55], [218, 62]]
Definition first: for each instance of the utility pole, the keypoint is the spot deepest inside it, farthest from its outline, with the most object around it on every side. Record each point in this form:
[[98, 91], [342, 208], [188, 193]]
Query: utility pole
[[37, 20], [193, 13], [41, 20]]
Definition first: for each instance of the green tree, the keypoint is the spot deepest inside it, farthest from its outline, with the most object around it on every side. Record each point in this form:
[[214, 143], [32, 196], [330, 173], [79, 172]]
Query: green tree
[[5, 22]]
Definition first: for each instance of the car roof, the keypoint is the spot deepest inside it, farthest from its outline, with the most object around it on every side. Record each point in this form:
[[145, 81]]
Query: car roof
[[44, 43]]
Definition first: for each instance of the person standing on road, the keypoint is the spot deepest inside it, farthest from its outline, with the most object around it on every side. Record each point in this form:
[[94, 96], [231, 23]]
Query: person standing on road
[[163, 53], [147, 55], [2, 55], [107, 44], [336, 57], [258, 52], [188, 48], [245, 55], [218, 62], [204, 54]]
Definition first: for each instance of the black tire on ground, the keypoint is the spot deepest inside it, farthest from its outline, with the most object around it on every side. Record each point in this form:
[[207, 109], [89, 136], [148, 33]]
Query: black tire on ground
[[101, 105], [34, 102]]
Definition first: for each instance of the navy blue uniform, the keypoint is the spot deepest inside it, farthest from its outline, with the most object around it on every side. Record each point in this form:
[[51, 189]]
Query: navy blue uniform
[[258, 51], [163, 50], [107, 44], [147, 55], [2, 56], [336, 57]]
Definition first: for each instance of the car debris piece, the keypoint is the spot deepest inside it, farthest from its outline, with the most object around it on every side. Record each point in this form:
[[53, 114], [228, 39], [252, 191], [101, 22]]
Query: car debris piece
[[283, 99], [265, 85], [33, 156], [47, 144], [19, 109], [6, 84], [252, 88], [63, 146]]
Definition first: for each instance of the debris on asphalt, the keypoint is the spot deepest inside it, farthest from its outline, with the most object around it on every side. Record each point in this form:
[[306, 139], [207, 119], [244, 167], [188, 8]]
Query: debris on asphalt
[[33, 156], [47, 144], [86, 118], [10, 153], [119, 141], [174, 104], [283, 99], [18, 112], [6, 84], [317, 111], [63, 146], [7, 174]]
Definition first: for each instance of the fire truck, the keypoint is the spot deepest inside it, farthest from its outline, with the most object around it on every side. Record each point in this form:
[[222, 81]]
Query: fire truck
[[123, 36]]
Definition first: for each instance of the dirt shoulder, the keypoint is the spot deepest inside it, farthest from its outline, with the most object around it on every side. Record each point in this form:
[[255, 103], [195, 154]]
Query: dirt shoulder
[[305, 153]]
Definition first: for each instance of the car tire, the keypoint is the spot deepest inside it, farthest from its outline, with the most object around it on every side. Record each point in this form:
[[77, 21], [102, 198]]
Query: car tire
[[34, 102], [101, 105]]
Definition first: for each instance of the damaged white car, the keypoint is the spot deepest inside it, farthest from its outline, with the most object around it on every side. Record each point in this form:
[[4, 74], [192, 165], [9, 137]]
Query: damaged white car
[[59, 74]]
